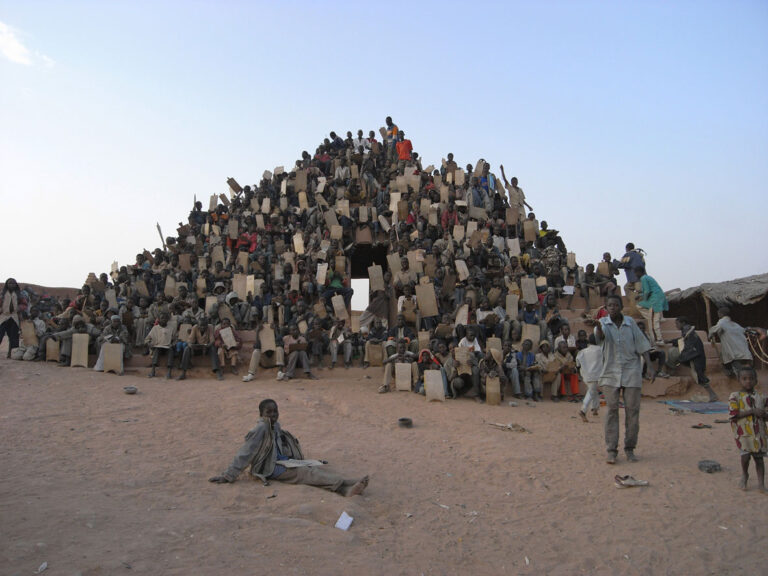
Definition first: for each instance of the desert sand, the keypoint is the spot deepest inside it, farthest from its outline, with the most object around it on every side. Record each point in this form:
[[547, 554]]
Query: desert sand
[[98, 482]]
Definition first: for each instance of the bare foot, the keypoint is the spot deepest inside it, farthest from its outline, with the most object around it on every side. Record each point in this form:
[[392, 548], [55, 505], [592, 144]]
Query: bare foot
[[583, 416], [743, 482], [358, 487]]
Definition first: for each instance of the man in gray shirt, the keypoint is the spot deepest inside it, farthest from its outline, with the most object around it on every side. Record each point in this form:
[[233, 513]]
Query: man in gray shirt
[[623, 345]]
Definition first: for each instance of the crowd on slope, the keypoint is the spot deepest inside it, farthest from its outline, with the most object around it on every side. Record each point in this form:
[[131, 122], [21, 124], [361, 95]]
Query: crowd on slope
[[468, 267]]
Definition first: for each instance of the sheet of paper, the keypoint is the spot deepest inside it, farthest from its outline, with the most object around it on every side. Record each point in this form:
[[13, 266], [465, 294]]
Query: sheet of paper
[[344, 521]]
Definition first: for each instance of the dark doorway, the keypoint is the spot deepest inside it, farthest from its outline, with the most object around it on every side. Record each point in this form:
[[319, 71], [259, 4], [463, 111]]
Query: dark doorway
[[367, 255]]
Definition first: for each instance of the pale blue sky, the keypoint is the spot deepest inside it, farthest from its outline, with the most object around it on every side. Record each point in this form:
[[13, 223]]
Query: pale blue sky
[[643, 121]]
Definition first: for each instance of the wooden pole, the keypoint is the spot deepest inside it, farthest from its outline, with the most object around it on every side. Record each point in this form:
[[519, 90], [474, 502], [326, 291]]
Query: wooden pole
[[707, 312]]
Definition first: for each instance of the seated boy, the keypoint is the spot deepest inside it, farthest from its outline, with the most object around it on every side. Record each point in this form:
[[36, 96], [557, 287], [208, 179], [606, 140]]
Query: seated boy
[[568, 372], [549, 368], [160, 340], [401, 355]]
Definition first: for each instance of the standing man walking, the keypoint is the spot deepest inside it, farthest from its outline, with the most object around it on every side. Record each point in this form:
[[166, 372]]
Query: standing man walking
[[622, 376]]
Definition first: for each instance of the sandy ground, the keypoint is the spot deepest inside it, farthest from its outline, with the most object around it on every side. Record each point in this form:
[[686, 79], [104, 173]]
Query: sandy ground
[[98, 482]]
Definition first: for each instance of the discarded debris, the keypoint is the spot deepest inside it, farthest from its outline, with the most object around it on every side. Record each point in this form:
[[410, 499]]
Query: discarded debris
[[709, 466], [512, 427], [628, 481]]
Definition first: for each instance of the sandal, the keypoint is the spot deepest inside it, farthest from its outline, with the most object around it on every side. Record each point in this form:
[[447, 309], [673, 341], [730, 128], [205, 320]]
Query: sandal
[[628, 481]]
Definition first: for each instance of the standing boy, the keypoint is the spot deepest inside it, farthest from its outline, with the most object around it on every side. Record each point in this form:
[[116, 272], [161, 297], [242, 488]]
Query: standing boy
[[623, 346]]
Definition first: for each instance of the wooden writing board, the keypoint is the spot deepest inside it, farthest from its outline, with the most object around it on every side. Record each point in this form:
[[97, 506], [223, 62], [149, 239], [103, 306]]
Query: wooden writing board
[[217, 254], [111, 297], [170, 287], [462, 355], [210, 303], [375, 355], [184, 332], [415, 261], [267, 338], [462, 315], [201, 287], [403, 376], [423, 340], [339, 307], [393, 259], [242, 261], [492, 391], [493, 342], [298, 243], [113, 357], [228, 338], [433, 386], [461, 269], [425, 295], [320, 311], [376, 278], [239, 285], [80, 350], [531, 332], [512, 305], [322, 271], [233, 229], [530, 230], [51, 350], [28, 335], [528, 287]]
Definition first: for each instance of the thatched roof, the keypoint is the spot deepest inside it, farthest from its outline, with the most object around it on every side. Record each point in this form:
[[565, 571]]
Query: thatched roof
[[742, 291]]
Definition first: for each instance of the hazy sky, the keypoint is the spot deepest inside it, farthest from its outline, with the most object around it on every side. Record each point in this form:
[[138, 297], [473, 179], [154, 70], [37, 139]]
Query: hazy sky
[[624, 121]]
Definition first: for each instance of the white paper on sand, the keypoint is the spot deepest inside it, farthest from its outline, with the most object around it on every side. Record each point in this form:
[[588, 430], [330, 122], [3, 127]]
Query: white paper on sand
[[344, 521]]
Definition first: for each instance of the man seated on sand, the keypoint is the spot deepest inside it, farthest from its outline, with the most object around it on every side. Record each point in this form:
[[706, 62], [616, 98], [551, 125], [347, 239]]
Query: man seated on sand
[[401, 355], [271, 453], [228, 343], [79, 326], [295, 347], [201, 341], [113, 333]]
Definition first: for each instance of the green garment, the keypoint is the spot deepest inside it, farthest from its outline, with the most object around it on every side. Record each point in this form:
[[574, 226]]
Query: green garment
[[653, 296]]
